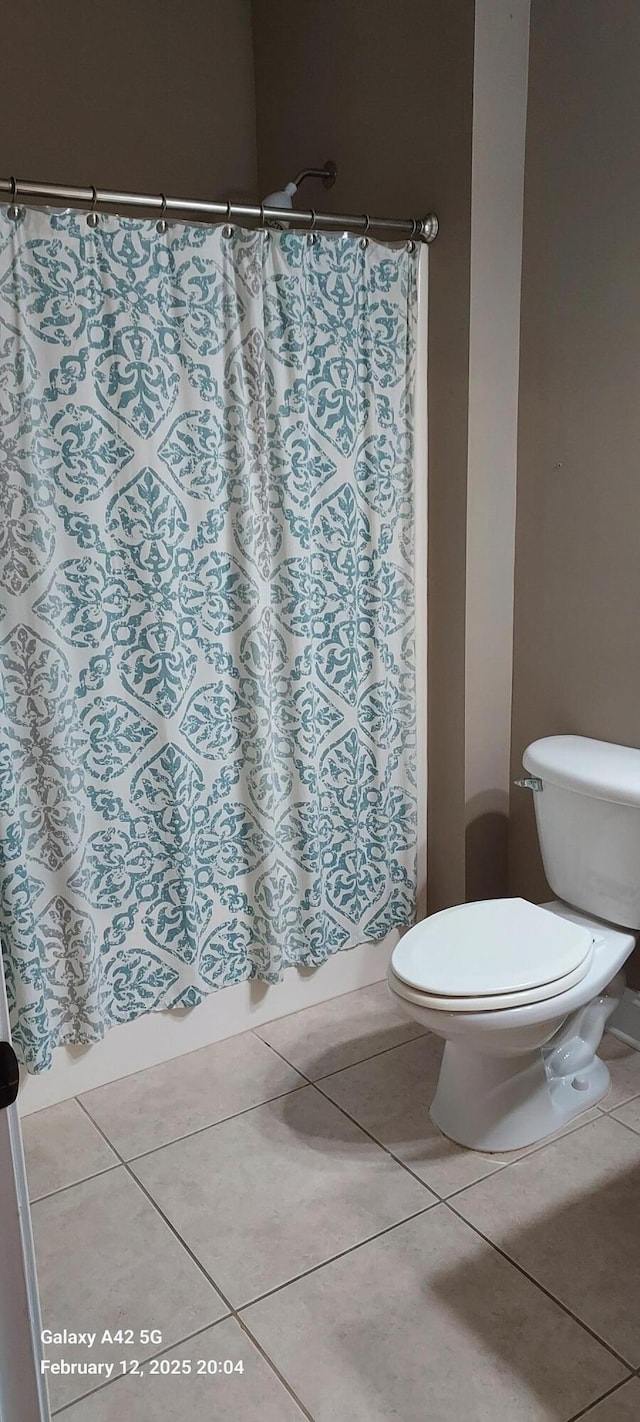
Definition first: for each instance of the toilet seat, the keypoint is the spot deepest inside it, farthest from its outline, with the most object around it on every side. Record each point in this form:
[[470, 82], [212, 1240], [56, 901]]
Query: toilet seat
[[490, 1002], [485, 956]]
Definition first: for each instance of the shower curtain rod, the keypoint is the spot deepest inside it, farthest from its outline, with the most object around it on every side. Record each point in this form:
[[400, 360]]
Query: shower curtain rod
[[418, 229]]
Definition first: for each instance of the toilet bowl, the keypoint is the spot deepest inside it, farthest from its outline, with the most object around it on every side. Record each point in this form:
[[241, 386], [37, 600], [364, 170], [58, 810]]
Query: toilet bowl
[[520, 1064], [522, 993]]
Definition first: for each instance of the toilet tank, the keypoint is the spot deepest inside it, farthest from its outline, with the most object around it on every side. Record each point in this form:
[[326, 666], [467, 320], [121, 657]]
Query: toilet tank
[[588, 821]]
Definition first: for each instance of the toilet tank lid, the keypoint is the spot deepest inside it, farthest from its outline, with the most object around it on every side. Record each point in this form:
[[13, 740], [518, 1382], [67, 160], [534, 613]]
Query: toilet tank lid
[[597, 768]]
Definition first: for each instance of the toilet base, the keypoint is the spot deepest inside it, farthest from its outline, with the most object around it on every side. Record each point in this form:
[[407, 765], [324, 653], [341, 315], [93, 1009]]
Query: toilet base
[[493, 1102], [504, 1103]]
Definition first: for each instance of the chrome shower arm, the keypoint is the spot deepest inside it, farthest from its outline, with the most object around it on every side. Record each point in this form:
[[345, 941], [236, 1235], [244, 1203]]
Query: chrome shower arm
[[328, 174]]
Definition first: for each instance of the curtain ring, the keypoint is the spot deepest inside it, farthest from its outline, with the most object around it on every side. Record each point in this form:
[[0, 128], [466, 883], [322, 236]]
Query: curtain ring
[[367, 223], [162, 224], [92, 215], [264, 223], [13, 211], [415, 228]]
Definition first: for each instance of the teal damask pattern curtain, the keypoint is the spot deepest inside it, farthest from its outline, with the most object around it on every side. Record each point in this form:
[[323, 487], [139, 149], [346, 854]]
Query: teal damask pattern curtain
[[207, 714]]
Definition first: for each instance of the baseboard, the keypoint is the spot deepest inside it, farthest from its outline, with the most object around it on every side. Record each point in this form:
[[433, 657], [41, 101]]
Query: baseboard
[[162, 1035], [625, 1022]]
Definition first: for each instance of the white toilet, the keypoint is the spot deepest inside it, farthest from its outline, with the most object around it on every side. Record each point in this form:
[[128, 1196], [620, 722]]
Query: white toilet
[[522, 993]]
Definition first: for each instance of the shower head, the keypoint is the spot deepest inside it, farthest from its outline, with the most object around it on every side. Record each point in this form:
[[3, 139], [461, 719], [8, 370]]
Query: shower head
[[284, 198]]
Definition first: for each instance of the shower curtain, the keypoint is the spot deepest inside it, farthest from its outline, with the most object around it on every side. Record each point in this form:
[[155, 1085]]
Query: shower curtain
[[207, 688]]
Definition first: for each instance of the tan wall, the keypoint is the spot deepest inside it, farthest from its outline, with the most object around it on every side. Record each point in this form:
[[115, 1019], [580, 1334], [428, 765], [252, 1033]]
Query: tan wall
[[577, 594], [147, 95], [386, 90], [499, 122]]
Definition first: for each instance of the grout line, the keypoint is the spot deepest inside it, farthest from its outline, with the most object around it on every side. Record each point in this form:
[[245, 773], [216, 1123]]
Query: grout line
[[36, 1199], [187, 1248], [336, 1070], [543, 1290], [175, 1140], [133, 1176], [258, 1346], [286, 1061], [617, 1105], [610, 1116], [333, 1258], [586, 1410], [438, 1199], [382, 1053]]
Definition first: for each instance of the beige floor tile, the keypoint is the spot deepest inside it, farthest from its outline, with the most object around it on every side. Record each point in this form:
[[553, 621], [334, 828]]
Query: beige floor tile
[[623, 1062], [429, 1322], [629, 1114], [337, 1033], [148, 1110], [264, 1196], [622, 1406], [255, 1395], [568, 1213], [107, 1261], [61, 1146]]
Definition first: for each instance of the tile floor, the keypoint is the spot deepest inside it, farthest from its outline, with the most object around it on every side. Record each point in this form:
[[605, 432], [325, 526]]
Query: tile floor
[[281, 1202]]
